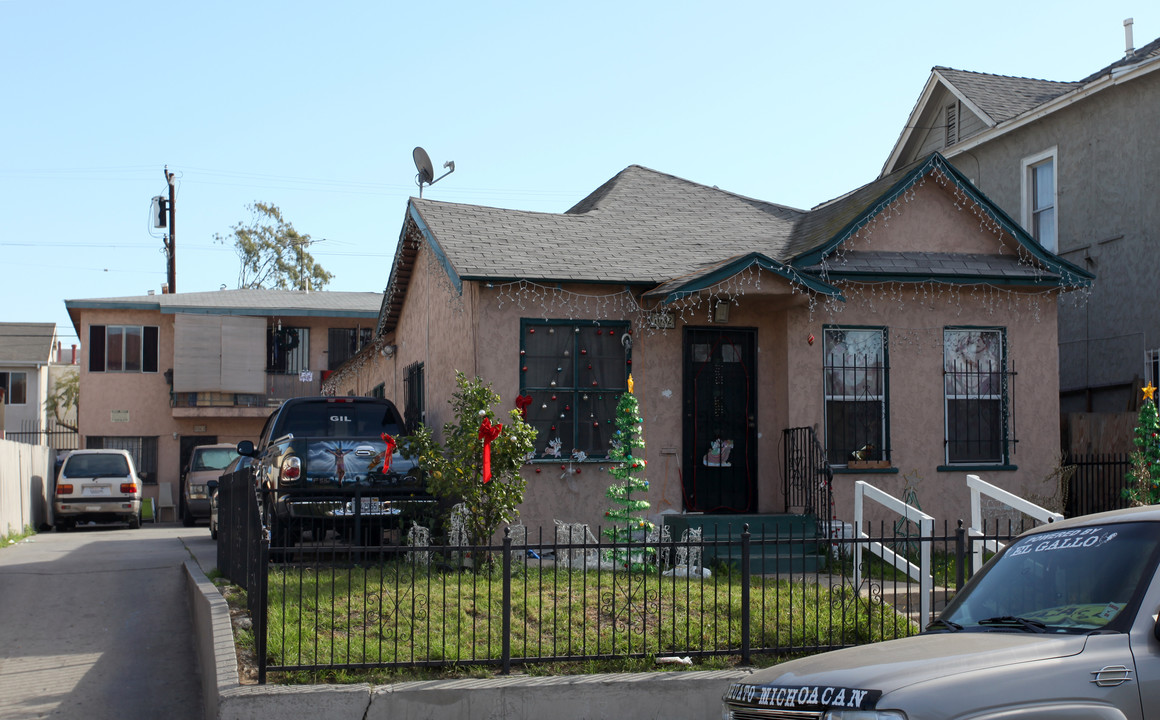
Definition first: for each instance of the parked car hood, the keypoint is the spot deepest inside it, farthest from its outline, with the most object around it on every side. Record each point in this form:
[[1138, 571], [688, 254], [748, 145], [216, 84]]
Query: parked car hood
[[886, 666]]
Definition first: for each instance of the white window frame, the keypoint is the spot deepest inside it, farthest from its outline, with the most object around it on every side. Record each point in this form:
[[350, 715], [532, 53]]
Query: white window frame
[[7, 387], [1028, 166]]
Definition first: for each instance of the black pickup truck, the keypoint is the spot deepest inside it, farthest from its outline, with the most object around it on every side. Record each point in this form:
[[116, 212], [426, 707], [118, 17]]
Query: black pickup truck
[[322, 468]]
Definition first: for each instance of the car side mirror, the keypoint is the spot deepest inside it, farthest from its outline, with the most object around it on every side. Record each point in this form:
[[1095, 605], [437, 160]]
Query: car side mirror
[[246, 447], [211, 484]]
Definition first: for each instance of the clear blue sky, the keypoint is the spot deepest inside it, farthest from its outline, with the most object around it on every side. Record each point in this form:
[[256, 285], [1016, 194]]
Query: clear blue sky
[[315, 107]]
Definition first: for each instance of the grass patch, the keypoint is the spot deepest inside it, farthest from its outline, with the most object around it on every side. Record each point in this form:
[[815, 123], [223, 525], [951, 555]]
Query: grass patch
[[411, 615], [6, 540]]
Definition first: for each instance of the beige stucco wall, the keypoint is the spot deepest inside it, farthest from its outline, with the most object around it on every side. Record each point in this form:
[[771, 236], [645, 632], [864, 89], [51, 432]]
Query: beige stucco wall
[[478, 333]]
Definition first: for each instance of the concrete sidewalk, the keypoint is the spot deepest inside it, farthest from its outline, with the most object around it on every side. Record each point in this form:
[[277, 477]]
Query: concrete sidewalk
[[658, 695]]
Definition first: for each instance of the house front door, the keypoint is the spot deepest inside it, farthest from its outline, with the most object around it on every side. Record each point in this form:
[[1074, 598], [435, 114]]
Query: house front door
[[720, 420]]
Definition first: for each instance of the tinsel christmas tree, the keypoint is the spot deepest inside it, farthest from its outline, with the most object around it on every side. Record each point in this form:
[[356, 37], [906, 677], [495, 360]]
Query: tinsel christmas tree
[[1144, 475], [626, 516]]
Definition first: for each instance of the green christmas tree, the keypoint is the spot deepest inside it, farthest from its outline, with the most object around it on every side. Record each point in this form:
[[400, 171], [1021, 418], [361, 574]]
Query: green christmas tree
[[1144, 475], [626, 516]]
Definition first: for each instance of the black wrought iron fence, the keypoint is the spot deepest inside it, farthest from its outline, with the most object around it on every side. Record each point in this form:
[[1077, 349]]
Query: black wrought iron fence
[[567, 595], [1098, 483], [809, 477]]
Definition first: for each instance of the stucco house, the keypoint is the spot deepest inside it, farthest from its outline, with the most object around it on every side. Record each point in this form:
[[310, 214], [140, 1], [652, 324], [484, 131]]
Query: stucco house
[[161, 374], [1075, 162], [882, 329], [26, 351]]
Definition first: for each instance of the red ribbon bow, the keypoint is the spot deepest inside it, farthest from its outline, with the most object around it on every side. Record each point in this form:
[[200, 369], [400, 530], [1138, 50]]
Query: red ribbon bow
[[522, 403], [389, 454], [487, 433]]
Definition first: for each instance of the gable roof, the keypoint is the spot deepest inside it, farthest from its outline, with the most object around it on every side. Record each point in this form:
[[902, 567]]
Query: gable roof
[[999, 99], [676, 237], [26, 343]]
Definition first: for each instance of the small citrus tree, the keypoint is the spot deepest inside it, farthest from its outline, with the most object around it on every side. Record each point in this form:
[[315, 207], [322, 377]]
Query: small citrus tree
[[454, 469]]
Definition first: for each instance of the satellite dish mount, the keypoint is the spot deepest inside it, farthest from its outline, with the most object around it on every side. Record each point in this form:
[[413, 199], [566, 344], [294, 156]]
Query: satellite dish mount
[[426, 174]]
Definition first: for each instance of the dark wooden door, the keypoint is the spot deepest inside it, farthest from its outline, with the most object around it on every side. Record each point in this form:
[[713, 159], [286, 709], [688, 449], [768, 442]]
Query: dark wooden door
[[720, 423]]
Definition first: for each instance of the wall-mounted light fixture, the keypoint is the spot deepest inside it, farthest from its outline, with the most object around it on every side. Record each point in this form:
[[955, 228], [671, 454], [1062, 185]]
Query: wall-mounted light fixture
[[721, 311]]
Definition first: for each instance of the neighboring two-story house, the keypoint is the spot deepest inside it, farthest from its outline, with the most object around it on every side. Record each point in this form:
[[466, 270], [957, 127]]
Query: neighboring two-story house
[[161, 374], [1076, 163], [26, 351], [881, 330]]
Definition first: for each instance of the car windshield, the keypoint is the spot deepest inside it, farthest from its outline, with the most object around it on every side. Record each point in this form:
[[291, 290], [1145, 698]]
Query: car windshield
[[212, 458], [316, 420], [95, 465], [1073, 580]]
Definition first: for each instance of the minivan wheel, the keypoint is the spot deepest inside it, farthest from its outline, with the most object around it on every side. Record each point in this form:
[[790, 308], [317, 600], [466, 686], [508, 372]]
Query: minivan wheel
[[135, 522]]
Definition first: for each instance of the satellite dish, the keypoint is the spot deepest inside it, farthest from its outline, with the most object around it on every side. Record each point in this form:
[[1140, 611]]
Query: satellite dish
[[424, 166], [426, 170]]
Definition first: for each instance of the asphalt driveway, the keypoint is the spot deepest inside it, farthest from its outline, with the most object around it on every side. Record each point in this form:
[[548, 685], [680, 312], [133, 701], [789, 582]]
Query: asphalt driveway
[[95, 624]]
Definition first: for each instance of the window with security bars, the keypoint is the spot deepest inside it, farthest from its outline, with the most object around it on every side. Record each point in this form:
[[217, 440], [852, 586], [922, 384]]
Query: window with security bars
[[1152, 367], [856, 391], [343, 344], [287, 350], [574, 371], [143, 450], [414, 406], [978, 389]]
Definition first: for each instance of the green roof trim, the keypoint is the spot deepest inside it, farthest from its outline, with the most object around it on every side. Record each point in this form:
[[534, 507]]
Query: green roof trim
[[417, 218], [1069, 273], [675, 290]]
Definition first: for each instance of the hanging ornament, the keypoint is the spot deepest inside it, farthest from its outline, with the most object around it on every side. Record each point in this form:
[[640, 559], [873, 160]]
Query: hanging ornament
[[553, 383], [531, 331], [567, 353], [583, 351], [810, 339], [544, 406], [524, 368], [551, 331]]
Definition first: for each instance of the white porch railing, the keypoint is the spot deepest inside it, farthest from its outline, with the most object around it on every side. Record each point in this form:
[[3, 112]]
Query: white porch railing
[[979, 488], [920, 572]]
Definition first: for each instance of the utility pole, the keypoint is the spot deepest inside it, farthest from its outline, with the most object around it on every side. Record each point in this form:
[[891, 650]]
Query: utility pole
[[171, 241]]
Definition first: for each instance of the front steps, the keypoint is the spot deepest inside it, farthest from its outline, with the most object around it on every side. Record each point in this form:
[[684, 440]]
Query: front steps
[[778, 544]]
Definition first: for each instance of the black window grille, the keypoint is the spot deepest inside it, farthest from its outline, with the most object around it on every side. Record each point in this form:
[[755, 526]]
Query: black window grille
[[414, 403], [343, 344], [575, 372], [143, 450], [978, 385], [379, 391], [856, 389], [287, 350]]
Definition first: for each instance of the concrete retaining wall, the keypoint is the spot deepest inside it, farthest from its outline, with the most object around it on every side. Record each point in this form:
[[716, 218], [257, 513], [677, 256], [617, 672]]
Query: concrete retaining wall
[[658, 695]]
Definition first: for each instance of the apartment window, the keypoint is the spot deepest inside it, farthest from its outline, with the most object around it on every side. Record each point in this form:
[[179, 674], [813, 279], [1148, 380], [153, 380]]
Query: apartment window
[[15, 387], [978, 389], [143, 450], [414, 405], [1040, 194], [575, 372], [123, 348], [951, 124], [287, 350], [379, 391], [343, 343], [856, 388]]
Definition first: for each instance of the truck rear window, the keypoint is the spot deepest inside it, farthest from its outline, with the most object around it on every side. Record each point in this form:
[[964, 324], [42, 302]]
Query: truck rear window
[[342, 420]]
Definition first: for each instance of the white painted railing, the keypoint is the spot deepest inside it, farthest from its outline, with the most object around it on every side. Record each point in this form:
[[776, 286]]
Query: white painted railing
[[920, 572], [979, 488]]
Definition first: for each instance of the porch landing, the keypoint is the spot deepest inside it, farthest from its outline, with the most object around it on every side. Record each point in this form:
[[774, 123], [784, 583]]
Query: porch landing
[[779, 543]]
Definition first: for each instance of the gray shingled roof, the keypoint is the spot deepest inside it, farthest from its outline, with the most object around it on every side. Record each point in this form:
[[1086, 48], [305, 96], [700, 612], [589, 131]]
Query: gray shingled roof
[[1149, 51], [642, 226], [246, 301], [934, 265], [26, 342], [1003, 97]]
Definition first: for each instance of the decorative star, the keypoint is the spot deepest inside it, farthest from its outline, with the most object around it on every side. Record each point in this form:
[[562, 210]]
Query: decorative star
[[1149, 391]]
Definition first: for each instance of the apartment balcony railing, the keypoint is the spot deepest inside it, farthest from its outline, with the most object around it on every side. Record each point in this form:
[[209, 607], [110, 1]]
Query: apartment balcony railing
[[278, 389]]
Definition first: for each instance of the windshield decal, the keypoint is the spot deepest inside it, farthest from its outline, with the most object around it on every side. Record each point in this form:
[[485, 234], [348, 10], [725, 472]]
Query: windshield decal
[[1065, 540], [802, 696]]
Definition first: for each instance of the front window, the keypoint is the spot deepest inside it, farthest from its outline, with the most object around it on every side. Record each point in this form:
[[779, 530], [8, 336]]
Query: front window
[[856, 389], [14, 387], [976, 388], [1066, 581], [574, 372], [123, 348], [1039, 199]]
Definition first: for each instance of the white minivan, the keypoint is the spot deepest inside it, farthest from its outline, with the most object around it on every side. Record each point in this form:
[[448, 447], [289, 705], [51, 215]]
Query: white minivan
[[99, 486]]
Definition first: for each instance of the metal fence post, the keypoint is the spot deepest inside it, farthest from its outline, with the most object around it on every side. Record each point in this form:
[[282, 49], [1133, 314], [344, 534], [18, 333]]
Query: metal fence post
[[960, 555], [258, 613], [745, 580], [507, 602]]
